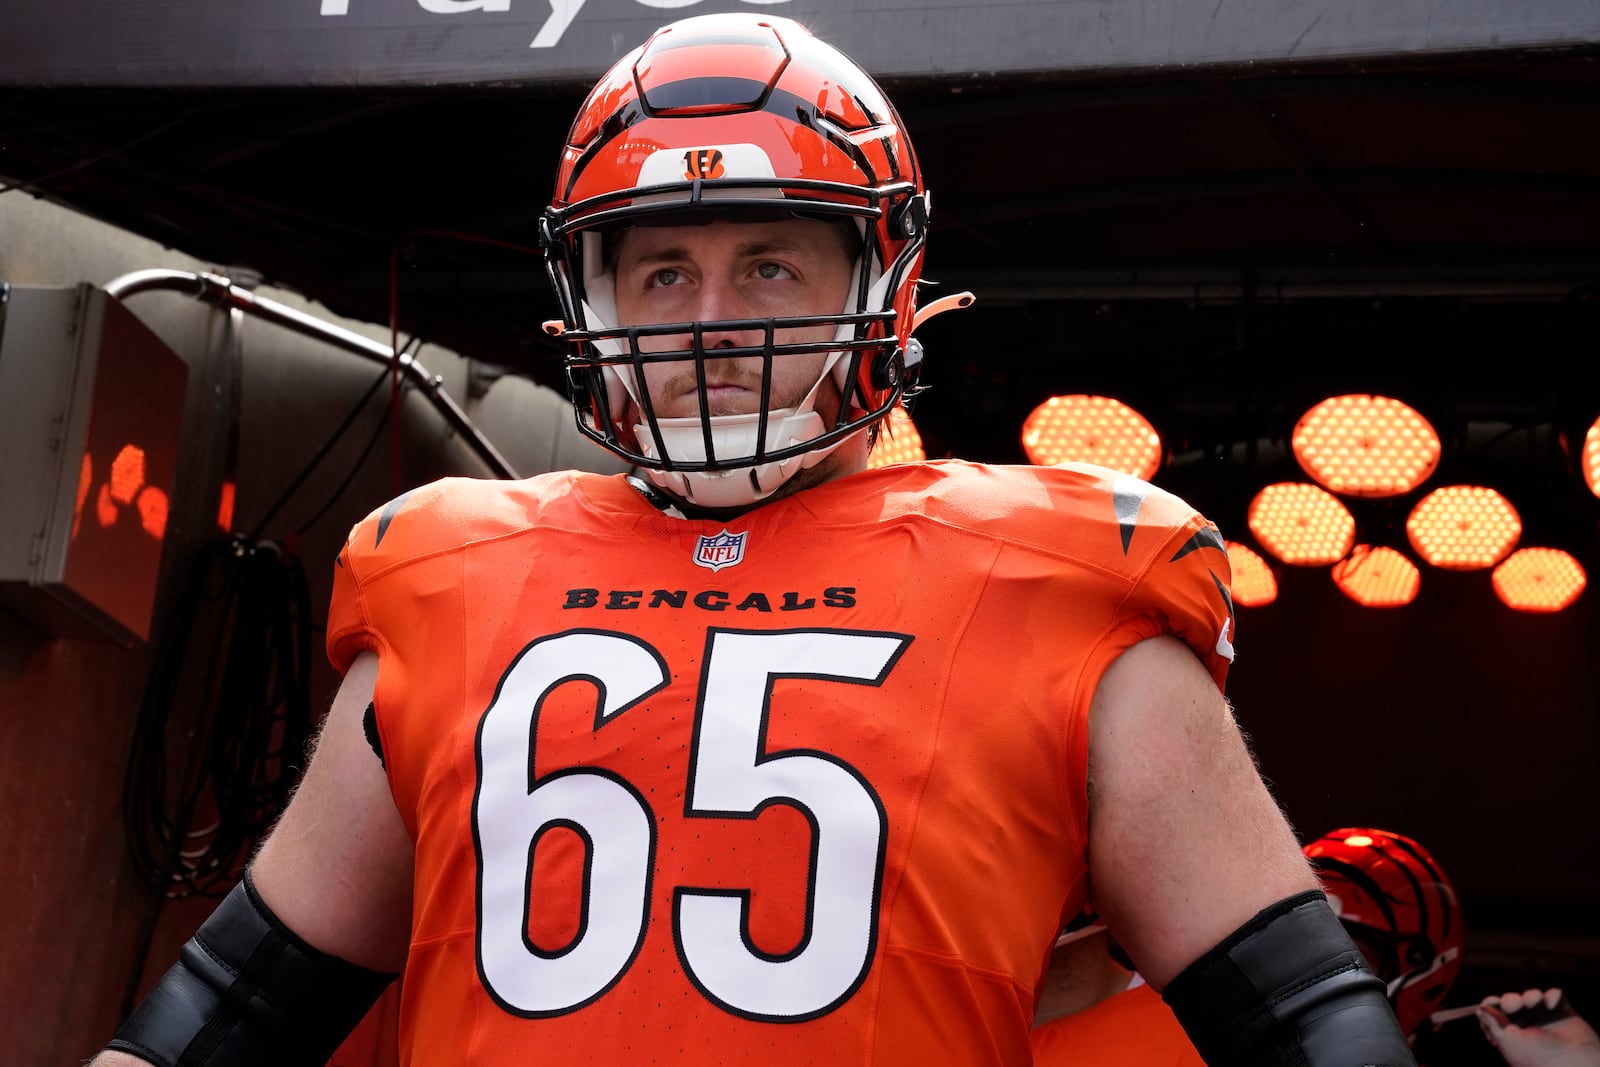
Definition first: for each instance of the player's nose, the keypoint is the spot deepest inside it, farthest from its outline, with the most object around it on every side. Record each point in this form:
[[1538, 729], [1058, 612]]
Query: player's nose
[[721, 302]]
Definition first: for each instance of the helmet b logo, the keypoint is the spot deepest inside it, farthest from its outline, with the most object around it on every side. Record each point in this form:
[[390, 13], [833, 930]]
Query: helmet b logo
[[702, 163]]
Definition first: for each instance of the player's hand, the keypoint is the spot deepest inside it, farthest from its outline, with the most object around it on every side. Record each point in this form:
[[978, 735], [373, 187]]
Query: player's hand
[[1538, 1028]]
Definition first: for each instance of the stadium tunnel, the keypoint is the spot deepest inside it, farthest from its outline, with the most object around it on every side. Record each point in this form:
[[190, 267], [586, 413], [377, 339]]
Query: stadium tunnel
[[1219, 232]]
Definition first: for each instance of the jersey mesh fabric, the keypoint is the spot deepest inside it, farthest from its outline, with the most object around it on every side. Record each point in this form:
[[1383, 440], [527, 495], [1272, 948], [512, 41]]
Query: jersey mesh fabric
[[1133, 1027], [984, 603]]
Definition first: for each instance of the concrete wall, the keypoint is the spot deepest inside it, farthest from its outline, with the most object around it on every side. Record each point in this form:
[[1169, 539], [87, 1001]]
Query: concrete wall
[[73, 911]]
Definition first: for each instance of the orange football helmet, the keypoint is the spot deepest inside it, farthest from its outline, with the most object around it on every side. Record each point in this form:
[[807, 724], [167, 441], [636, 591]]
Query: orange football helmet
[[736, 116], [1400, 910]]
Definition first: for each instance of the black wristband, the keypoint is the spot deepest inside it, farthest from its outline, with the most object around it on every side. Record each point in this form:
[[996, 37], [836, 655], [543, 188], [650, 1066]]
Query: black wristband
[[1288, 987], [247, 992]]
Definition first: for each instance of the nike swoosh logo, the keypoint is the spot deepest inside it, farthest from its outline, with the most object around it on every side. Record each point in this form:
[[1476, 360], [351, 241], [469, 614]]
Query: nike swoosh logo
[[1224, 646]]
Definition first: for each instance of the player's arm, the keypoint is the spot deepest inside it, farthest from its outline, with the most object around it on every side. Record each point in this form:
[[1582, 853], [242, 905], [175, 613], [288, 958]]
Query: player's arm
[[1199, 877], [293, 957]]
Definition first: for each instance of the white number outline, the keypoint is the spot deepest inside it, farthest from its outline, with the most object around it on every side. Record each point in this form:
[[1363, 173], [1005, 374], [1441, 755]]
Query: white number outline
[[495, 957], [625, 671], [702, 906]]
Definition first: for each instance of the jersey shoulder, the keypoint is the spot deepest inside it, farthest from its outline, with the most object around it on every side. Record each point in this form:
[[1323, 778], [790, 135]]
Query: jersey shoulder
[[1102, 517], [452, 513]]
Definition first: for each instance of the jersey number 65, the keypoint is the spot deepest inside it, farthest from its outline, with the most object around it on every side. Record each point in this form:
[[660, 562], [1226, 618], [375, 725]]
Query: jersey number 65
[[730, 777]]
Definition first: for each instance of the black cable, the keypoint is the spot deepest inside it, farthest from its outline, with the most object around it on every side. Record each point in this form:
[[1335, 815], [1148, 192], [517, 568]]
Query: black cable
[[327, 446], [355, 469], [244, 612], [152, 841]]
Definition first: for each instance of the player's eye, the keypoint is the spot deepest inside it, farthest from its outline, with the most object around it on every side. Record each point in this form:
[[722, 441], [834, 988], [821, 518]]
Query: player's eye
[[771, 271], [666, 276]]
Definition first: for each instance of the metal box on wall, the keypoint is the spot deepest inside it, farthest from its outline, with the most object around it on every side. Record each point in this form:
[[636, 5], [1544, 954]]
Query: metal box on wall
[[91, 414]]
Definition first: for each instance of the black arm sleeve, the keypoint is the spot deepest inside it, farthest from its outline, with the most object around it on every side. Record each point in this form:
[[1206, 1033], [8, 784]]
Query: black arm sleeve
[[247, 992], [1288, 987]]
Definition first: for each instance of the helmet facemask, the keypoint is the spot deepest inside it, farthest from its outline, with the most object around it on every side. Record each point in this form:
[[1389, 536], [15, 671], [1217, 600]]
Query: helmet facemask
[[730, 460], [736, 116]]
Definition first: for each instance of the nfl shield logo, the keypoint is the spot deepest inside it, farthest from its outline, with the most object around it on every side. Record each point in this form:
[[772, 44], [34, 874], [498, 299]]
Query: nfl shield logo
[[719, 550]]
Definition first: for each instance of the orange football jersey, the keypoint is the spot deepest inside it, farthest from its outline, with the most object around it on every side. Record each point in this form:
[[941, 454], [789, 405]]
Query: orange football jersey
[[1135, 1028], [807, 786]]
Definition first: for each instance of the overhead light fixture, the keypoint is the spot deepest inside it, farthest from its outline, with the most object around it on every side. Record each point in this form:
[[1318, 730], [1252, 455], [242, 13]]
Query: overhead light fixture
[[1092, 429], [1302, 524], [1463, 527], [1377, 577], [1365, 446], [1591, 458], [1253, 581], [898, 443], [1539, 580]]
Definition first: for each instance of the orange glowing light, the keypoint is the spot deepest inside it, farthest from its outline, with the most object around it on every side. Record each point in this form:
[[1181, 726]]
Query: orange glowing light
[[1463, 527], [105, 509], [153, 511], [1539, 579], [127, 474], [1591, 458], [1302, 524], [1358, 841], [225, 506], [85, 477], [1092, 429], [1253, 581], [898, 443], [1377, 577], [1365, 446]]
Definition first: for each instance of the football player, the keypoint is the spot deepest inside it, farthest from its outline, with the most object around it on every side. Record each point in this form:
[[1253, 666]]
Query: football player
[[1403, 913], [764, 756]]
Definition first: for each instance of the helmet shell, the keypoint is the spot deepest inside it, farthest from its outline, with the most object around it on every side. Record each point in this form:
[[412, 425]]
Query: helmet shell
[[1397, 904], [718, 114]]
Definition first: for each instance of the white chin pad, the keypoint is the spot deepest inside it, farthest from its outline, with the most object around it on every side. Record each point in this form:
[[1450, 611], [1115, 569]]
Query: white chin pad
[[732, 437]]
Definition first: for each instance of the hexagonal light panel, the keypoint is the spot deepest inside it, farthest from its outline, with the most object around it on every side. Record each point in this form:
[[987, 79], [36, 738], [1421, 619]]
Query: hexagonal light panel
[[1302, 524], [1253, 581], [1539, 579], [1591, 458], [1092, 429], [898, 443], [1365, 446], [1377, 577], [1463, 527]]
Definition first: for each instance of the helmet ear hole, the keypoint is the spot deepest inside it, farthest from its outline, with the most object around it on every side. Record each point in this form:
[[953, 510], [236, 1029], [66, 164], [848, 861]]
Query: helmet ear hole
[[911, 218], [1419, 953]]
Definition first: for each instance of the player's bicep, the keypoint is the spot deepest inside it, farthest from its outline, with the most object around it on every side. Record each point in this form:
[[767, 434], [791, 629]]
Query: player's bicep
[[1185, 842], [336, 869]]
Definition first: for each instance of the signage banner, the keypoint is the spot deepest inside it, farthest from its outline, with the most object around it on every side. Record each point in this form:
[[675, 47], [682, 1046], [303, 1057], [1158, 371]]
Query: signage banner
[[219, 43]]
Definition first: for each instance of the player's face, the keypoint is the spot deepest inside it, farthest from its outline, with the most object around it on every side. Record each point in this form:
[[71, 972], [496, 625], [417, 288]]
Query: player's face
[[731, 270]]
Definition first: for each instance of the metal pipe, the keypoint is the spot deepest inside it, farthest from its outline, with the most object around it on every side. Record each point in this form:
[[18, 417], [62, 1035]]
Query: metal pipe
[[217, 289]]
